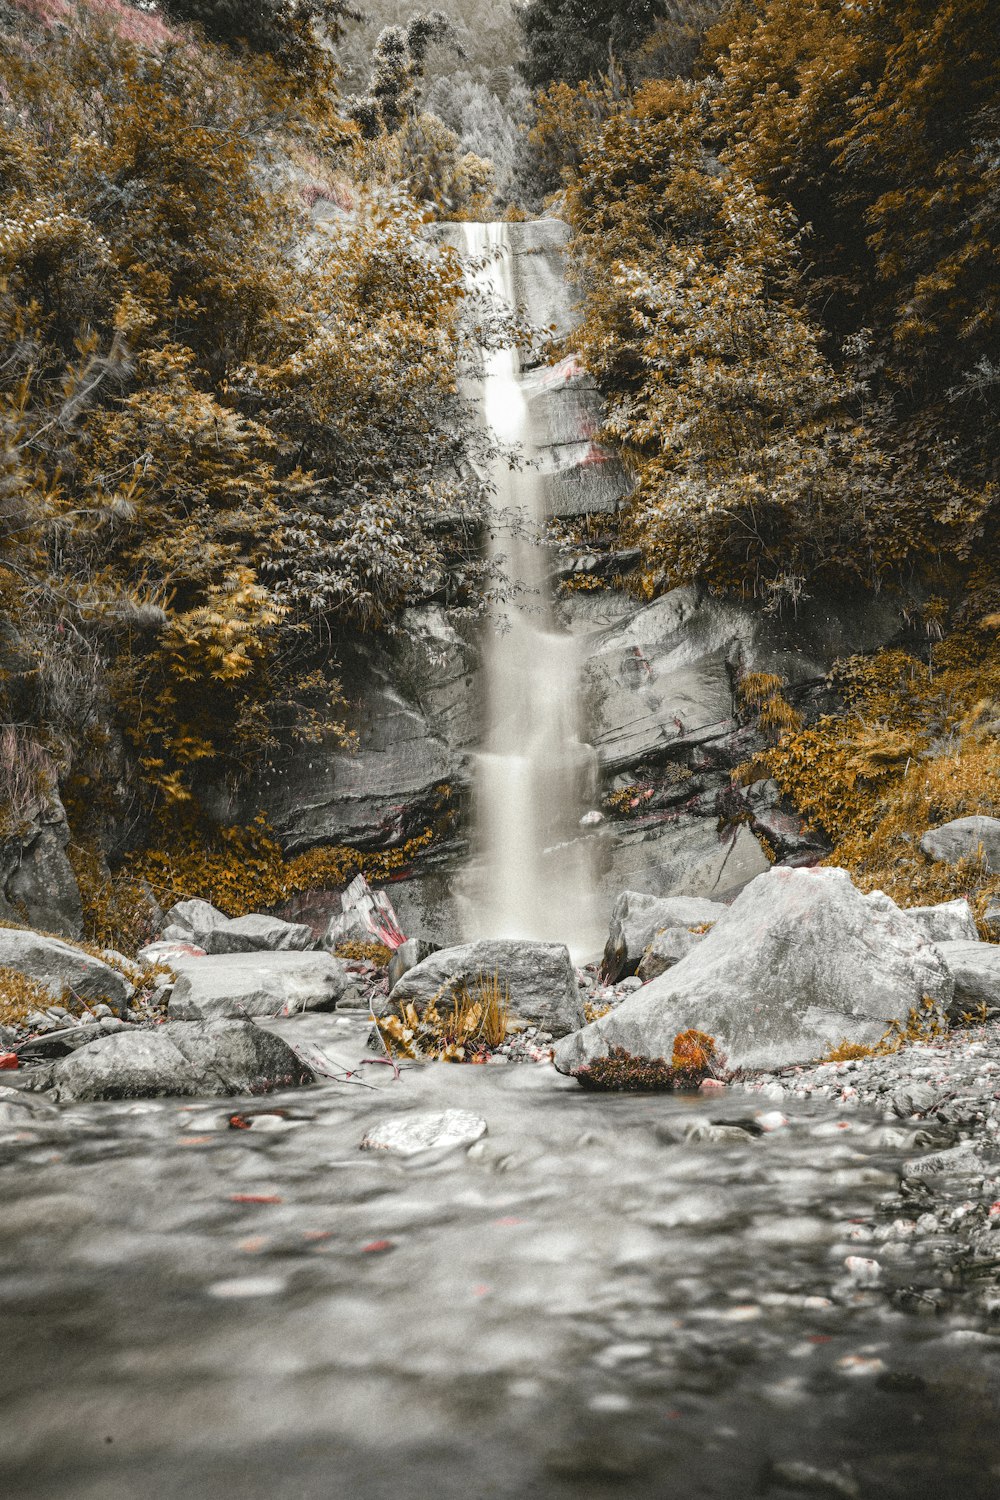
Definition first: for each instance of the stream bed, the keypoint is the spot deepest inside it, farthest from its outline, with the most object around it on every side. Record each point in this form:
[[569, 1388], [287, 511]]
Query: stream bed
[[604, 1295]]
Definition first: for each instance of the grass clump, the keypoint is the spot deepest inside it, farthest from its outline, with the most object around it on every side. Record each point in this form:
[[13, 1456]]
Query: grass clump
[[695, 1057], [474, 1025], [19, 996], [924, 1023]]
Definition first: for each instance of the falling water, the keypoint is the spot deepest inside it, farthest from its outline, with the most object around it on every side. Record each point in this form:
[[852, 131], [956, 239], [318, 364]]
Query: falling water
[[535, 777]]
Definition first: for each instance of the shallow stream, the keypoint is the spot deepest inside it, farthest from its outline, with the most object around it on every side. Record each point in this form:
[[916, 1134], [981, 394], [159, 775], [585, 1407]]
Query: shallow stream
[[588, 1302]]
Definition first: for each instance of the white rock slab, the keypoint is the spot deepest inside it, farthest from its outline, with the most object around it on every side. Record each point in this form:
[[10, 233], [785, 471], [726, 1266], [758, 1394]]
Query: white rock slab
[[425, 1130]]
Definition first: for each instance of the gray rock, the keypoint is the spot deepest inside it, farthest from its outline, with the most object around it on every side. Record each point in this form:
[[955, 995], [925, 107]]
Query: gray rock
[[975, 968], [191, 922], [345, 927], [258, 984], [372, 797], [258, 934], [962, 1160], [686, 857], [425, 1130], [180, 1058], [915, 1099], [950, 921], [666, 949], [539, 977], [64, 970], [19, 1108], [663, 678], [169, 953], [407, 956], [801, 961], [40, 884], [961, 838], [636, 920], [68, 1039], [991, 921]]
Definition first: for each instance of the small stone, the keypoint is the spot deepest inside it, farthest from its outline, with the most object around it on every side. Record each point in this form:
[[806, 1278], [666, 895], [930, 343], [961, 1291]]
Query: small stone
[[425, 1130], [863, 1272], [799, 1476]]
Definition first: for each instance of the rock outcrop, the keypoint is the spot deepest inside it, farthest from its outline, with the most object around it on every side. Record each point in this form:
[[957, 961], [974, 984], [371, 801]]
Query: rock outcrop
[[258, 984], [539, 979], [800, 962], [220, 1057], [949, 921], [37, 884]]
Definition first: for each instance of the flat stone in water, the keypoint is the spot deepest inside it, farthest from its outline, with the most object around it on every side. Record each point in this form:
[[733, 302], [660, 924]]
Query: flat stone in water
[[426, 1130]]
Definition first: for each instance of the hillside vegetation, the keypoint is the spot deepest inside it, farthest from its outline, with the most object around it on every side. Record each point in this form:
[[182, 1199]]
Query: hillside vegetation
[[233, 439], [789, 241]]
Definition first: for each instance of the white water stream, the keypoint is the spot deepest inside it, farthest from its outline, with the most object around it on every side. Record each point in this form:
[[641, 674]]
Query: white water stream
[[535, 778]]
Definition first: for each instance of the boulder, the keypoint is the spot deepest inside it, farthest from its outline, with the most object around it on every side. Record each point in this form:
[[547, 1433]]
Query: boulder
[[962, 838], [407, 956], [182, 1058], [638, 917], [258, 984], [975, 968], [540, 980], [64, 970], [346, 927], [666, 949], [800, 962], [991, 921], [949, 921], [258, 934], [191, 922]]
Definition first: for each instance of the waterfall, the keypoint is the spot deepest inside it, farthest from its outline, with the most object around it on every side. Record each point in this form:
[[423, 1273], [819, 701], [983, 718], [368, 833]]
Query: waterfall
[[534, 777]]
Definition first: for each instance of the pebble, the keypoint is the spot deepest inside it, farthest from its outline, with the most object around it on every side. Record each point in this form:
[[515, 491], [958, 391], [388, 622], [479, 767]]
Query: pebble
[[248, 1286]]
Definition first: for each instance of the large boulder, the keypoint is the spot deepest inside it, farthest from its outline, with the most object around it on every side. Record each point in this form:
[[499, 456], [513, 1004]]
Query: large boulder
[[948, 922], [539, 978], [191, 922], [258, 984], [800, 962], [975, 968], [67, 972], [218, 1057], [203, 926], [962, 838], [638, 917], [258, 934]]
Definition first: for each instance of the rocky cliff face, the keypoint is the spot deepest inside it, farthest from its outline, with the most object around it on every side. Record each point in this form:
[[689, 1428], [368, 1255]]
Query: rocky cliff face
[[658, 682]]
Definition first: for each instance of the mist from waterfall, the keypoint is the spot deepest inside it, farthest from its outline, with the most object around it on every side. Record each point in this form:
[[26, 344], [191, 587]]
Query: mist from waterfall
[[534, 776]]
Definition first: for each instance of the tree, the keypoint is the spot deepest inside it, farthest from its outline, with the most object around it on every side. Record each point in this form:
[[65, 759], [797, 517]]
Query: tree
[[230, 442], [569, 40], [397, 75]]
